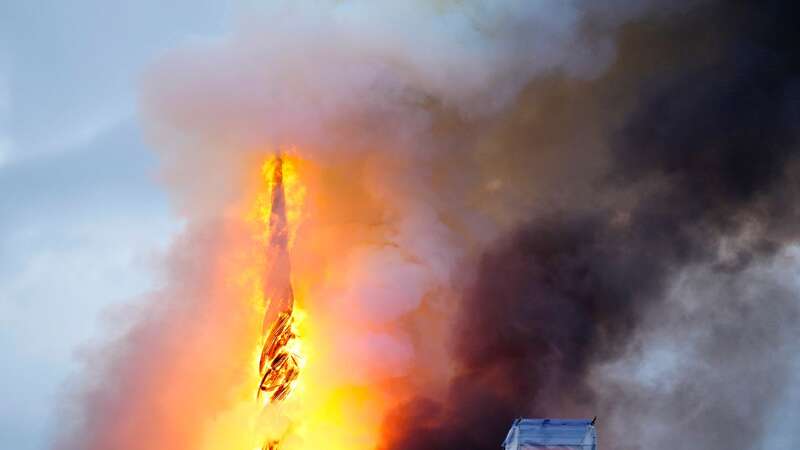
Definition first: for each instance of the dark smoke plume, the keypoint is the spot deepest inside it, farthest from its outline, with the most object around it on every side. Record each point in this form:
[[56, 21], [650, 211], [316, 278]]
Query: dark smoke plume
[[702, 173]]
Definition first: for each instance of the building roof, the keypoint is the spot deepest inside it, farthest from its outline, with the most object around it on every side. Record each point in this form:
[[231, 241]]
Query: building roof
[[534, 433]]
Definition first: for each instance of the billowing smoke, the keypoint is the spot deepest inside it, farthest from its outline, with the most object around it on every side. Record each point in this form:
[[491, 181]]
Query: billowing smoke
[[517, 209], [702, 180]]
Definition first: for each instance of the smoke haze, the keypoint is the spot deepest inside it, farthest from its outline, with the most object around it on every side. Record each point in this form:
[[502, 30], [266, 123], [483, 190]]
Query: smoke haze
[[516, 209]]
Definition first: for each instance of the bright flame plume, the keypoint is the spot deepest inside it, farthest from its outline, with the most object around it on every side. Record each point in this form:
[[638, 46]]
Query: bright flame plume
[[280, 360], [296, 394]]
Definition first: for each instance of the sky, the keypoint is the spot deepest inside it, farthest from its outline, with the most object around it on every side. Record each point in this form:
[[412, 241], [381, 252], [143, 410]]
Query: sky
[[83, 219], [88, 209]]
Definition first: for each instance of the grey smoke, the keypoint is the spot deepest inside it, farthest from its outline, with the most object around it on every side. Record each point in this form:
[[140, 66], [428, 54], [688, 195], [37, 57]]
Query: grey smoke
[[582, 192]]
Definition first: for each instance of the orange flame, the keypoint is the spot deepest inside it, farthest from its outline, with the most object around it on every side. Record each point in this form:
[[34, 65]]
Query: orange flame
[[304, 402], [279, 364]]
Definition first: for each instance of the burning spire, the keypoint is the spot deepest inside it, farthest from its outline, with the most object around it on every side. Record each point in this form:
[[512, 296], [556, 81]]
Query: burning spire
[[279, 364], [278, 293]]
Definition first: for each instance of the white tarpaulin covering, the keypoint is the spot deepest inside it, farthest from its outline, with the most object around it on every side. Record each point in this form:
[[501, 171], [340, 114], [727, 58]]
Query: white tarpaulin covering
[[560, 434]]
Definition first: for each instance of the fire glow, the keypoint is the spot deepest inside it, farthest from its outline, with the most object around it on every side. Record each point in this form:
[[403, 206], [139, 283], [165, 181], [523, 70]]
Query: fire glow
[[288, 400], [280, 360], [406, 224]]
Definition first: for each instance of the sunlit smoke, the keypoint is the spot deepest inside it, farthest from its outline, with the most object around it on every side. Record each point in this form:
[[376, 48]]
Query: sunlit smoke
[[408, 224]]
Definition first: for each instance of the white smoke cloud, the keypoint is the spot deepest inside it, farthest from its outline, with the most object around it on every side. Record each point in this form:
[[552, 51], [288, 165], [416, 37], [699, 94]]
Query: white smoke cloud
[[355, 87], [357, 75], [358, 80]]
